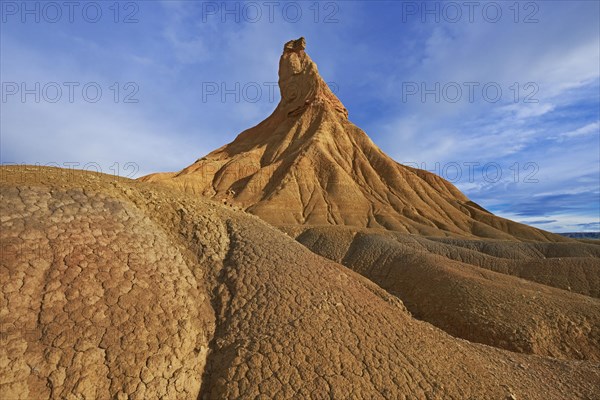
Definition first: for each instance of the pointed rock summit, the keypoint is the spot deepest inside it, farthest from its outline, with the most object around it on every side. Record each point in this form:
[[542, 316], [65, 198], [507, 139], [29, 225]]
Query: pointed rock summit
[[300, 83], [307, 164]]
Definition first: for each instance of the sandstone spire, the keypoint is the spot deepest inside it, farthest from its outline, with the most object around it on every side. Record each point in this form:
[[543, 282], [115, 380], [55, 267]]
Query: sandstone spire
[[300, 84], [307, 164]]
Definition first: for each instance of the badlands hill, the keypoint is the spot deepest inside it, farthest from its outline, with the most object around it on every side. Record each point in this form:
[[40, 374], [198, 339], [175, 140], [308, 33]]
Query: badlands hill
[[119, 289], [308, 164]]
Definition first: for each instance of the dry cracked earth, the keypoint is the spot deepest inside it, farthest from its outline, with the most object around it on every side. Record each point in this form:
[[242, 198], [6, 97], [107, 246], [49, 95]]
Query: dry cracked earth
[[113, 288]]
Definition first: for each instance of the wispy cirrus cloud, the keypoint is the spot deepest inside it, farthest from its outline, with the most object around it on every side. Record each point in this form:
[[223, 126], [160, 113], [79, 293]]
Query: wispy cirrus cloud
[[592, 128]]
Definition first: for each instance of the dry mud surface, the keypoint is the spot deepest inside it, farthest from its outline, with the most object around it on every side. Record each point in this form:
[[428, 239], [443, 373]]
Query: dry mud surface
[[529, 297], [120, 289]]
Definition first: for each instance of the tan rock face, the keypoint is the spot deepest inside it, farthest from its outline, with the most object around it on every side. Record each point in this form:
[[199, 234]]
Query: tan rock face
[[96, 301], [307, 164], [300, 84]]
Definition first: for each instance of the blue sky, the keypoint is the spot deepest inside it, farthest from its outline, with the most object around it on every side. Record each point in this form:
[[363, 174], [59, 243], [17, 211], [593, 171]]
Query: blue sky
[[501, 99]]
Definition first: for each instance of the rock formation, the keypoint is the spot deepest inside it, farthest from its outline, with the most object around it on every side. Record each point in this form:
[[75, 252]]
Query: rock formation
[[307, 164]]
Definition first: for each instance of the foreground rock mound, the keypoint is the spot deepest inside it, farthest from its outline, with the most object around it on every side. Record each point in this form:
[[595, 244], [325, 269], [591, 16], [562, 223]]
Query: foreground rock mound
[[307, 164], [117, 289], [97, 300]]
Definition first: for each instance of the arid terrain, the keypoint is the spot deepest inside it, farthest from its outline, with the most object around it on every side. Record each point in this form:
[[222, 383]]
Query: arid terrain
[[298, 261]]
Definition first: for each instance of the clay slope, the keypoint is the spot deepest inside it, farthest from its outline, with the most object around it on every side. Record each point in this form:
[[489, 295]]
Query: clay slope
[[120, 289], [505, 294], [308, 164]]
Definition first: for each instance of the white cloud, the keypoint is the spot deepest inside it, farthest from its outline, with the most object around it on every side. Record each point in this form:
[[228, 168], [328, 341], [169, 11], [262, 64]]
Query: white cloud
[[592, 128], [528, 110]]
